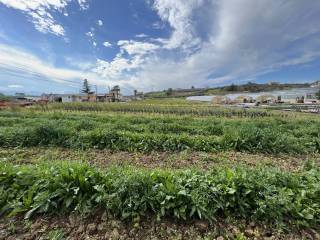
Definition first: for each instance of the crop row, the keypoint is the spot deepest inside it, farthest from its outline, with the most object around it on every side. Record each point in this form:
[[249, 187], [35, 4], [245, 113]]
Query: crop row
[[158, 133], [160, 109], [248, 138], [261, 195], [210, 126]]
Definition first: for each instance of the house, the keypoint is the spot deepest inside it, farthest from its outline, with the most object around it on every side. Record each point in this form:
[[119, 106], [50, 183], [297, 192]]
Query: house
[[65, 98]]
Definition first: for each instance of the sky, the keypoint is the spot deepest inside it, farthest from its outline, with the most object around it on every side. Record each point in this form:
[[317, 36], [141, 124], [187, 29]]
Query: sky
[[50, 46]]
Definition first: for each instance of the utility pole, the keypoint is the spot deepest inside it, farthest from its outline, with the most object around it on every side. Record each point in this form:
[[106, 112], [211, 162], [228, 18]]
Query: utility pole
[[96, 93]]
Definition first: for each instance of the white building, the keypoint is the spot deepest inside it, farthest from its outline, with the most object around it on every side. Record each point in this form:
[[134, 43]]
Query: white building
[[299, 98], [65, 97]]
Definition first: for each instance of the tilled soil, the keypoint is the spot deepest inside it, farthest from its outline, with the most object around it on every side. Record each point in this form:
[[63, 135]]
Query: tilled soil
[[102, 226], [186, 159]]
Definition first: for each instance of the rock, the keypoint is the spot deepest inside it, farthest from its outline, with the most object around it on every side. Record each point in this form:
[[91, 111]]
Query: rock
[[81, 229], [220, 238], [252, 224], [115, 224], [27, 236], [91, 228], [35, 226], [269, 238], [123, 237], [102, 227], [104, 216], [73, 220], [107, 236], [249, 232], [115, 234], [235, 231], [132, 232], [202, 225]]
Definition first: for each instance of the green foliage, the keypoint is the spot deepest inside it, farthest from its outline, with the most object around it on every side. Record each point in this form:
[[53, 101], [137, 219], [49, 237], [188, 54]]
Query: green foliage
[[4, 97], [159, 133], [318, 94], [261, 195], [86, 87], [57, 234], [195, 110]]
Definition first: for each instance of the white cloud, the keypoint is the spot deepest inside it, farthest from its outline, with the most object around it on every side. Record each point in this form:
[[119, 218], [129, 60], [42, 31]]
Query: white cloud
[[131, 58], [141, 35], [215, 42], [76, 62], [90, 34], [107, 44], [94, 43], [38, 10], [15, 86], [84, 5], [100, 23], [26, 66], [179, 15], [158, 25], [135, 47]]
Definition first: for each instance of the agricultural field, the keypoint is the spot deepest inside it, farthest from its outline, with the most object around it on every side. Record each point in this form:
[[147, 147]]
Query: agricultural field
[[158, 169]]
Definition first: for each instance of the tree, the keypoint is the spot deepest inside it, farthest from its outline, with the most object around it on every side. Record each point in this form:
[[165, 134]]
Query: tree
[[169, 91], [86, 88], [3, 97], [232, 88], [318, 94]]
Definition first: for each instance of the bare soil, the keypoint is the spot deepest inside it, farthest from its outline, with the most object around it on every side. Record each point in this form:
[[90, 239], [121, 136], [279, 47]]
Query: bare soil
[[103, 226], [180, 160]]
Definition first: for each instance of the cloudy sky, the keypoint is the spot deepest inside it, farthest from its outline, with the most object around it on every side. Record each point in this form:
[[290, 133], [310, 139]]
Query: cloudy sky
[[52, 45]]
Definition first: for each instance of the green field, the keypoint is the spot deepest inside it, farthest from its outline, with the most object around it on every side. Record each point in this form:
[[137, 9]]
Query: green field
[[169, 162]]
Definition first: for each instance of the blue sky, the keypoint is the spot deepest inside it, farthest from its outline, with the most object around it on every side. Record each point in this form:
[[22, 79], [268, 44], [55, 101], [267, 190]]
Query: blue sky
[[52, 45]]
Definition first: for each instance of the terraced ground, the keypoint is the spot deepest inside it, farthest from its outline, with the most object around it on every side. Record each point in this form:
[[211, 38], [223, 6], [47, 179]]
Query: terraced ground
[[164, 169]]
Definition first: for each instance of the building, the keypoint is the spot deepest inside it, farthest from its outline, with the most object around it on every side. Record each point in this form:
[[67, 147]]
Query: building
[[65, 98], [299, 98], [138, 95], [114, 95], [315, 84], [266, 98], [221, 100], [244, 99]]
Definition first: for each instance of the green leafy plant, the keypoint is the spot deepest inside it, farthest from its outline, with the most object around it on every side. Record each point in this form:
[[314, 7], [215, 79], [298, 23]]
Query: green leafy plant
[[262, 195]]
